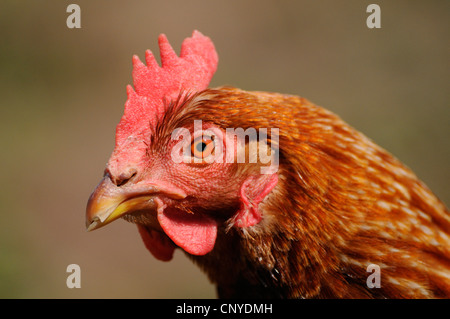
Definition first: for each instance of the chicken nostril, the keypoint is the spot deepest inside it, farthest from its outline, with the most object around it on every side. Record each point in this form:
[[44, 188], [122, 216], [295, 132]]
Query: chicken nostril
[[122, 178]]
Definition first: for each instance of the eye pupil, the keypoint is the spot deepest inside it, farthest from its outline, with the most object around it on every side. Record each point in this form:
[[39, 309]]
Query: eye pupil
[[201, 146]]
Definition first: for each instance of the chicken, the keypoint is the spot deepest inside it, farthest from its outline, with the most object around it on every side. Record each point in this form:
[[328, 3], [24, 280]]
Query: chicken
[[269, 194]]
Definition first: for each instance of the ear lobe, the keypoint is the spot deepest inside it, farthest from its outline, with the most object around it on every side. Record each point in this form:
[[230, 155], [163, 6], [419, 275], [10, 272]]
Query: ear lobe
[[253, 191]]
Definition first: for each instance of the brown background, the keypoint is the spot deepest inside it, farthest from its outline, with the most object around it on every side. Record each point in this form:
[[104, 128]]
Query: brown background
[[62, 93]]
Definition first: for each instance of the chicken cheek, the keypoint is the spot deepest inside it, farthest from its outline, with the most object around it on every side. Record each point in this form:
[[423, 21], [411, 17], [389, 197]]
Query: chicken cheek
[[249, 214]]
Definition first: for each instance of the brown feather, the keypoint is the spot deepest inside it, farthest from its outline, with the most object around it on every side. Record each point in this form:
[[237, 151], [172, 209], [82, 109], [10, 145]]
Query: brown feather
[[341, 204]]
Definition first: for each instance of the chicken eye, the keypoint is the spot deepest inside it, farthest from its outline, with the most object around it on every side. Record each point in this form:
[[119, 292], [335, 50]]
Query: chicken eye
[[202, 147]]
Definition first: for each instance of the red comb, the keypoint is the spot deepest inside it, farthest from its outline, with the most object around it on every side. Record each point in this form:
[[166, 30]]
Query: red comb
[[190, 72], [155, 87]]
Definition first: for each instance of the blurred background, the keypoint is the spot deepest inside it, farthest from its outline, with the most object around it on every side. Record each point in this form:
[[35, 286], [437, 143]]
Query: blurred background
[[62, 93]]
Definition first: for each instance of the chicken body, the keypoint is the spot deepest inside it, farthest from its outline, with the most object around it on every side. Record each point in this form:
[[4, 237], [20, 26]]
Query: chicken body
[[334, 205], [341, 204]]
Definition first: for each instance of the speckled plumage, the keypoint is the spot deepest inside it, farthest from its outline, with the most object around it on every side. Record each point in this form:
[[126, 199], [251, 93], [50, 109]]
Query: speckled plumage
[[336, 203], [341, 204]]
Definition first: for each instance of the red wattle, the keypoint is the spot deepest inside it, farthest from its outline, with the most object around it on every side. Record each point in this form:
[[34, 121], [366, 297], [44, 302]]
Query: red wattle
[[157, 243], [195, 233]]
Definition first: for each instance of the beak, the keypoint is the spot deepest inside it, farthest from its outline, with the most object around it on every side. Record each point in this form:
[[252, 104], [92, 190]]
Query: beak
[[109, 202]]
